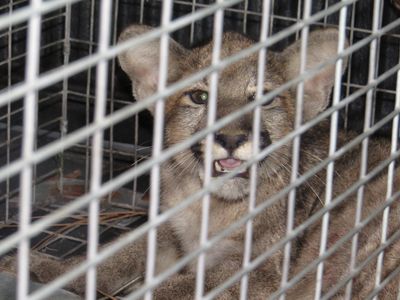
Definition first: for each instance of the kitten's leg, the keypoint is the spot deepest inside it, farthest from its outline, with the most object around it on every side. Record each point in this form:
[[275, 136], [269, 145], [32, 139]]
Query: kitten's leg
[[111, 274], [114, 272]]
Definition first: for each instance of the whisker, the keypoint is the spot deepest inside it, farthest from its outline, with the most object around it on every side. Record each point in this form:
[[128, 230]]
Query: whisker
[[285, 166]]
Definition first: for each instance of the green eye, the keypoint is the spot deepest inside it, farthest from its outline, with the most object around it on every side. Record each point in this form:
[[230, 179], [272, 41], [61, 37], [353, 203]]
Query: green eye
[[198, 97]]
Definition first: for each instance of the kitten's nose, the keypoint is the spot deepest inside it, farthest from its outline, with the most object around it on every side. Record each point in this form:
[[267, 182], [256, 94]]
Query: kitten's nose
[[230, 142]]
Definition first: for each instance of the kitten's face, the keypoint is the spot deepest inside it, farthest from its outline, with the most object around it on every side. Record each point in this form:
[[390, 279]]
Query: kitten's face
[[186, 111]]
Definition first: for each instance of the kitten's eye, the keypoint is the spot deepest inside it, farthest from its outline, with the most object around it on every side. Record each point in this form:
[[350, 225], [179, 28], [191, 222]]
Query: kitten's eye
[[198, 97]]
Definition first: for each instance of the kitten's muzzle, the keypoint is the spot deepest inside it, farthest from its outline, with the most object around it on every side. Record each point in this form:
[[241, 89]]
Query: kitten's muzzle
[[233, 142], [233, 151], [230, 142]]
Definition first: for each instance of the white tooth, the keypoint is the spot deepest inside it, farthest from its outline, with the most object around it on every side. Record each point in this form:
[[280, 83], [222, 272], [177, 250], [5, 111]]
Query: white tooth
[[217, 167]]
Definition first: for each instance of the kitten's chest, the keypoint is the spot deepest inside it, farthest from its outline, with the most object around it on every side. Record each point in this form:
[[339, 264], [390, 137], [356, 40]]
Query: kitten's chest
[[188, 223]]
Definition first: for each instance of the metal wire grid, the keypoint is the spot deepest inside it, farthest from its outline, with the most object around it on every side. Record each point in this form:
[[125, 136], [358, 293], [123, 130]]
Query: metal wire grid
[[56, 96], [31, 156], [87, 95], [6, 118]]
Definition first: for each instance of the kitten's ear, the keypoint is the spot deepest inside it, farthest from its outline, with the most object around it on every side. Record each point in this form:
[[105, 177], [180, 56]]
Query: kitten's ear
[[322, 46], [141, 63]]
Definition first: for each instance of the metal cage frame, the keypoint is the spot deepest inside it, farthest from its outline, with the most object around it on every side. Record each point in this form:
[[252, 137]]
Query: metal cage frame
[[18, 16]]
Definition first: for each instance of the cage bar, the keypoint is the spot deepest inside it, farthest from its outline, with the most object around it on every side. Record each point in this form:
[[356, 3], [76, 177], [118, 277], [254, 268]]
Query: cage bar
[[208, 161], [333, 135], [29, 132], [97, 150], [256, 147], [296, 142], [157, 146]]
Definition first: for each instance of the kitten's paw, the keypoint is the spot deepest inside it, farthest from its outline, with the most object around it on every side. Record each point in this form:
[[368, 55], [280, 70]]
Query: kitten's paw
[[43, 268], [8, 264], [180, 286]]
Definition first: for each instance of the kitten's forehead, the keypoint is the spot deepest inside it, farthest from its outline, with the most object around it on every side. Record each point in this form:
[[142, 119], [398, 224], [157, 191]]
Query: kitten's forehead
[[231, 44], [240, 76], [235, 79]]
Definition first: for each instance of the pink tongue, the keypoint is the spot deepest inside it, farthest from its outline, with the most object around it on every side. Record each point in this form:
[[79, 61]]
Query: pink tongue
[[229, 163]]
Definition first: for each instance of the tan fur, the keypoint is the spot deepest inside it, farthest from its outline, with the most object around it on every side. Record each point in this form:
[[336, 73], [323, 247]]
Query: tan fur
[[182, 176]]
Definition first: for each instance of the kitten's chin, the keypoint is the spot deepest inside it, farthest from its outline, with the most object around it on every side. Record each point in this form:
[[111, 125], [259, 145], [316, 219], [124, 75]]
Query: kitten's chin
[[234, 189]]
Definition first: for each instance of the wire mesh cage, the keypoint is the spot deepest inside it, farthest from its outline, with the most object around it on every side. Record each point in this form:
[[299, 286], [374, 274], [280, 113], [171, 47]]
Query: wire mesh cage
[[240, 149]]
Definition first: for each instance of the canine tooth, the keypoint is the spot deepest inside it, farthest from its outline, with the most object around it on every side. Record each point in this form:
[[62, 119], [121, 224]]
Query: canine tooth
[[218, 167]]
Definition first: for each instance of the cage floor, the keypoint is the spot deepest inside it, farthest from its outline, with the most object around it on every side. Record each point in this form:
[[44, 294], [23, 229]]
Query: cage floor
[[69, 237]]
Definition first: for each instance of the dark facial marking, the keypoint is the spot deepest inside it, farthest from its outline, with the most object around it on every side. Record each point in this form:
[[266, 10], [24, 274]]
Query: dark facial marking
[[265, 139], [196, 149]]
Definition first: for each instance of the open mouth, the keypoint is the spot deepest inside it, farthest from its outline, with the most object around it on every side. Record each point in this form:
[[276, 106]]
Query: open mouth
[[227, 165]]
